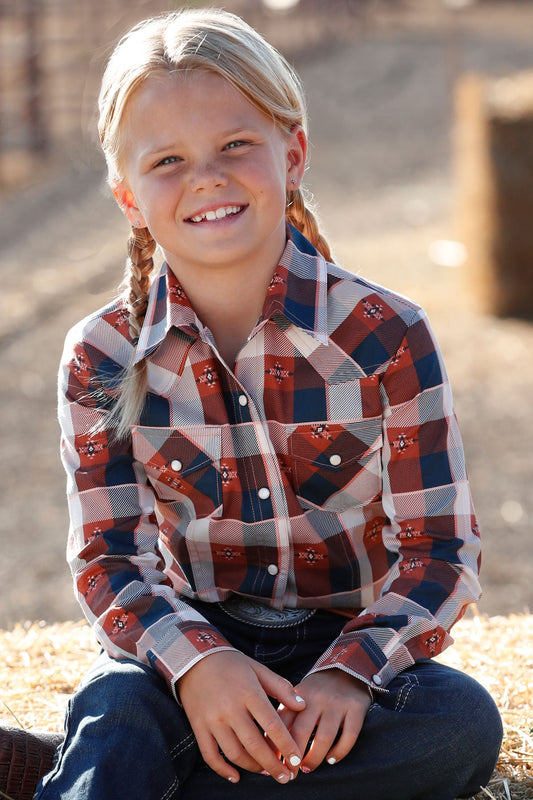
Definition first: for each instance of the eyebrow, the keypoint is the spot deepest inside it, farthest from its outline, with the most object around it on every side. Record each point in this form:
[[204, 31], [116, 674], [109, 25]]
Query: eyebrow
[[160, 148]]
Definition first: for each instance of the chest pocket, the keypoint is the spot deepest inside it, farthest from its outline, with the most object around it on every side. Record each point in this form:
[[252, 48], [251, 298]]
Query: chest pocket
[[336, 465], [182, 465]]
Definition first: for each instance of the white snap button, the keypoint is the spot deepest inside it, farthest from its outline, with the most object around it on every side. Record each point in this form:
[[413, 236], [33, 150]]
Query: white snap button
[[335, 460], [377, 680], [272, 569], [263, 493], [176, 465], [243, 400]]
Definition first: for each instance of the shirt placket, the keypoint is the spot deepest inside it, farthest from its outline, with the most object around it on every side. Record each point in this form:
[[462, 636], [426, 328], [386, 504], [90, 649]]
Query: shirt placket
[[271, 499]]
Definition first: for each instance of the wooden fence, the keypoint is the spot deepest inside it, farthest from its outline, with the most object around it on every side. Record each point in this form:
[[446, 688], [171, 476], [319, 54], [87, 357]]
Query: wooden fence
[[51, 55]]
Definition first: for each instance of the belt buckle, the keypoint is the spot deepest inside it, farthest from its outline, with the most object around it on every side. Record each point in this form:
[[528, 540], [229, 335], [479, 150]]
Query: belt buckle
[[255, 613]]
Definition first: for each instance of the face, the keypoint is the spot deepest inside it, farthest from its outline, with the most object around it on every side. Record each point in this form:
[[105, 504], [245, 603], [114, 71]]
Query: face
[[207, 173]]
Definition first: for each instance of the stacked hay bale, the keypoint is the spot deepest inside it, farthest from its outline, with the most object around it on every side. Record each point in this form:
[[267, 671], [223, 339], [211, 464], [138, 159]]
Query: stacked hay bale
[[493, 154]]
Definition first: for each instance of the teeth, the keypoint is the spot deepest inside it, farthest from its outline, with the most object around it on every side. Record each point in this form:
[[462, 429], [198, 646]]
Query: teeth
[[220, 213]]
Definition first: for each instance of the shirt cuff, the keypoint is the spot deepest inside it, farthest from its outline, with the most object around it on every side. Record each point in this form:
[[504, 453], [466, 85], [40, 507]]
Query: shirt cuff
[[358, 654], [177, 645]]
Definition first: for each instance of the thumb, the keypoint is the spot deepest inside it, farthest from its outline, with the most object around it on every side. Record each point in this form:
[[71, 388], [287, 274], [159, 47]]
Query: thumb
[[279, 688]]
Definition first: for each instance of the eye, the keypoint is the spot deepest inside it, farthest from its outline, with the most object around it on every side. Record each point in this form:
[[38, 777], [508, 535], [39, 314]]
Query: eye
[[168, 160], [237, 143]]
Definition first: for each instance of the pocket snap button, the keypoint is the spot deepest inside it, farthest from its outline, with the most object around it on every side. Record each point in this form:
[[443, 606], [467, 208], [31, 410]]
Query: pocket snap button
[[176, 465], [335, 460], [263, 493]]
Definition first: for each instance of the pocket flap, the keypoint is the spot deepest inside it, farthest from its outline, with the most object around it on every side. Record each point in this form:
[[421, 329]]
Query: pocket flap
[[333, 445], [182, 450]]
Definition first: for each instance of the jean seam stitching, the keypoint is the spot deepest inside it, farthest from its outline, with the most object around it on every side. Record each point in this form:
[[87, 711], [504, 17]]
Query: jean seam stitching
[[174, 785], [405, 691], [184, 744], [280, 653]]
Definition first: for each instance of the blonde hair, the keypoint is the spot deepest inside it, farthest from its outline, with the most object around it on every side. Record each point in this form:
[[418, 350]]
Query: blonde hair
[[211, 40]]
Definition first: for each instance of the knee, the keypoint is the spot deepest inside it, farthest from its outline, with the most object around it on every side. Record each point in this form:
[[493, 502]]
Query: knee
[[466, 720], [478, 714], [125, 691], [472, 728], [466, 730]]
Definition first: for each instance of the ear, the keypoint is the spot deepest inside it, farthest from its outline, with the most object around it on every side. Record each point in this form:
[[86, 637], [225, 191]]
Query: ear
[[127, 204], [296, 157]]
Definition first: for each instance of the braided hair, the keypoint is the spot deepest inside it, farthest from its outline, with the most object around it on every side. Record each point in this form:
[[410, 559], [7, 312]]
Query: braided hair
[[300, 215]]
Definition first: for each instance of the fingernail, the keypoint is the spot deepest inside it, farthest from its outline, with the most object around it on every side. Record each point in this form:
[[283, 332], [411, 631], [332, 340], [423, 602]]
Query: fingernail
[[231, 779], [283, 778], [265, 773], [299, 699], [305, 770], [295, 761], [281, 707], [332, 760], [293, 775]]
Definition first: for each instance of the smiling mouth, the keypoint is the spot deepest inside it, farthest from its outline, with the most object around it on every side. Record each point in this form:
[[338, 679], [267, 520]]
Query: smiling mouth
[[216, 214]]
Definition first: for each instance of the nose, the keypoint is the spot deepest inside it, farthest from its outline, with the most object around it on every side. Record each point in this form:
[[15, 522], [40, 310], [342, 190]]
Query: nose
[[206, 177]]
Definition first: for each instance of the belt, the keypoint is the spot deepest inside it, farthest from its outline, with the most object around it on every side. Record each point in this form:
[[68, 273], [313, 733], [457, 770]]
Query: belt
[[255, 613]]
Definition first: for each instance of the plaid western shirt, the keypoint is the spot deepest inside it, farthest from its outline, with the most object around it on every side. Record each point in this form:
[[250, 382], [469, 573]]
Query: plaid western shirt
[[324, 470]]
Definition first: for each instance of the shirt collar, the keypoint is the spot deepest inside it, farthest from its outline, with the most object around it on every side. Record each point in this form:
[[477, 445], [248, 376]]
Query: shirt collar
[[297, 291]]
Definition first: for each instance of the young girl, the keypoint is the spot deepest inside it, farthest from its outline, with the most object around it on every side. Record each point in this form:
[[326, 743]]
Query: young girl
[[272, 531]]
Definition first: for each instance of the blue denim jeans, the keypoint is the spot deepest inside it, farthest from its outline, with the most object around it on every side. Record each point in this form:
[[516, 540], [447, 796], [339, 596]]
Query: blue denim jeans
[[434, 734]]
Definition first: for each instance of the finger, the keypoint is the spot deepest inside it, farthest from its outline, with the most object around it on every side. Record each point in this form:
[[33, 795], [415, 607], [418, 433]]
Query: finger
[[281, 738], [258, 748], [324, 737], [286, 716], [279, 688], [234, 751], [213, 758], [294, 761], [351, 729], [302, 730]]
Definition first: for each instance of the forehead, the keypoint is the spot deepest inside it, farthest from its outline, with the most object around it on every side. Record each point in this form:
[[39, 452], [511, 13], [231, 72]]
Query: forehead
[[190, 103]]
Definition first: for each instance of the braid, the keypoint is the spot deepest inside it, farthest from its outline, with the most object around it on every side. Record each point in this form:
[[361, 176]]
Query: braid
[[139, 266], [301, 216]]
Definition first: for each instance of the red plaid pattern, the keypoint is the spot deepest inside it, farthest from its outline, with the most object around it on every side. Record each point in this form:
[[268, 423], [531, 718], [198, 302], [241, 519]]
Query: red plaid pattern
[[327, 471]]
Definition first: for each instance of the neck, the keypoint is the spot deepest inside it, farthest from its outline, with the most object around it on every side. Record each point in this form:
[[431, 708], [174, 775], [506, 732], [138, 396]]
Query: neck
[[229, 305]]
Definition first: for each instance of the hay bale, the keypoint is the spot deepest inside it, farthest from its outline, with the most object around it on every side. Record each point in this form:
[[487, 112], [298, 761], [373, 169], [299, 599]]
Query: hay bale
[[493, 159], [42, 665]]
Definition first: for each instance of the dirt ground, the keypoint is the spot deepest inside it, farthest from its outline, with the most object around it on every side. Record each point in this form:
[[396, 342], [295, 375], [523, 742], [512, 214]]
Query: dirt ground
[[381, 173]]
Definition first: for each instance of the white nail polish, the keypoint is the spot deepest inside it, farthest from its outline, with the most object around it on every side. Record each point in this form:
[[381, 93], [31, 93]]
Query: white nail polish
[[299, 699], [332, 760], [295, 761]]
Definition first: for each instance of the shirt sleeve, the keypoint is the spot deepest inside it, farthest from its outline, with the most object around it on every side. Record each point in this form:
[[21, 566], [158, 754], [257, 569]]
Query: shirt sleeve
[[431, 534], [113, 547]]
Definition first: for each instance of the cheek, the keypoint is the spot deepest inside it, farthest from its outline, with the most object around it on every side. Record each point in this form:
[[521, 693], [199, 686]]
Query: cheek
[[158, 201], [271, 185]]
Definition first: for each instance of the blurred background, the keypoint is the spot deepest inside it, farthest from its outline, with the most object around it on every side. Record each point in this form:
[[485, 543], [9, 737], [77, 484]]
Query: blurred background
[[421, 165]]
